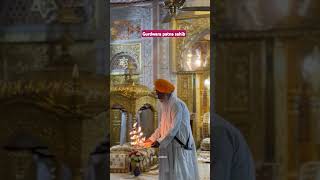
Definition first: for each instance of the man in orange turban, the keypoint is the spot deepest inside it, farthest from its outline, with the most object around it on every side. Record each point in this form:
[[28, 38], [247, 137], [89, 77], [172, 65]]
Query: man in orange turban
[[163, 89], [177, 150]]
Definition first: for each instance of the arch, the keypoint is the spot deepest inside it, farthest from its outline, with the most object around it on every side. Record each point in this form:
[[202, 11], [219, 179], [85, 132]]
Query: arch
[[148, 119], [119, 63], [147, 106], [118, 106], [145, 100], [24, 141], [196, 37], [36, 126], [189, 46], [120, 102]]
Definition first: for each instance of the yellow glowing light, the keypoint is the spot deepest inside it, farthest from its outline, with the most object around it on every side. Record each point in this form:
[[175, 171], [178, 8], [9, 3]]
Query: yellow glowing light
[[202, 12], [207, 83], [136, 136], [198, 62]]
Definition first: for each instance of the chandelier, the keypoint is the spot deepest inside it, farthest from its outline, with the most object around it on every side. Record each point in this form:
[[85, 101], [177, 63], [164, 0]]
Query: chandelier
[[173, 5]]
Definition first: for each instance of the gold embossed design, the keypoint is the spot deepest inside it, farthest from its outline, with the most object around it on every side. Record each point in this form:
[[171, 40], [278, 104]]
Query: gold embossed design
[[131, 97], [185, 89], [130, 52], [121, 79], [195, 27], [131, 91]]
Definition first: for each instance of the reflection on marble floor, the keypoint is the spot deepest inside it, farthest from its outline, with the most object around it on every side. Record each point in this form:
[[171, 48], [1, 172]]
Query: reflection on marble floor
[[204, 171]]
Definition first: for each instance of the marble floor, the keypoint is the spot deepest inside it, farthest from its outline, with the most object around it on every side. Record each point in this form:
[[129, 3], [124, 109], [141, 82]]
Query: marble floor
[[204, 171]]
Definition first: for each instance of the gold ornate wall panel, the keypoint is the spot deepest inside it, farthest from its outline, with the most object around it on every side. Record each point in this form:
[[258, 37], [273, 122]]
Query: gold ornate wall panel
[[238, 87], [121, 79], [202, 102], [196, 28], [190, 60], [303, 100], [116, 127], [185, 90], [239, 96]]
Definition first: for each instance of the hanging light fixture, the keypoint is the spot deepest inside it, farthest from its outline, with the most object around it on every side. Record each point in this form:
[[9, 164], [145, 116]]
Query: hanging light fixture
[[173, 5]]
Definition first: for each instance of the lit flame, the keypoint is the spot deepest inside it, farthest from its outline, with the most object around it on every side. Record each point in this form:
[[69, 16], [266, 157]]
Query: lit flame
[[136, 136]]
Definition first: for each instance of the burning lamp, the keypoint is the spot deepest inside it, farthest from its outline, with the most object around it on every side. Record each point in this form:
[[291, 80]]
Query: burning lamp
[[136, 136]]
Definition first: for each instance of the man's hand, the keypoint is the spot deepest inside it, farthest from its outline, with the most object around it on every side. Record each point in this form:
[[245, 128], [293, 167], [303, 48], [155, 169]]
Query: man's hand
[[147, 143], [155, 144]]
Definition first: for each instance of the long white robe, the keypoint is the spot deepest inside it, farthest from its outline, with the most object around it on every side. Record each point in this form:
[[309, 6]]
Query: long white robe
[[176, 163]]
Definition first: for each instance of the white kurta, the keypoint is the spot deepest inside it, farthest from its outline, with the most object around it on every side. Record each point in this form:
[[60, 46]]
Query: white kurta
[[176, 163]]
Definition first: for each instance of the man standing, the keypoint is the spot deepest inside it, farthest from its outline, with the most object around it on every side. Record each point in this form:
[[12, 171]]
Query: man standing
[[177, 150], [232, 158]]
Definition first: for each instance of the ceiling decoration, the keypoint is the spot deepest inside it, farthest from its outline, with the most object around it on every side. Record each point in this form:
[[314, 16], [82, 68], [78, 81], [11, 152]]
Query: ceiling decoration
[[175, 7], [127, 1]]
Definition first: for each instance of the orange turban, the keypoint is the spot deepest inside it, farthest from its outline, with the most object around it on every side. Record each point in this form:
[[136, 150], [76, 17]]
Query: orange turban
[[164, 86]]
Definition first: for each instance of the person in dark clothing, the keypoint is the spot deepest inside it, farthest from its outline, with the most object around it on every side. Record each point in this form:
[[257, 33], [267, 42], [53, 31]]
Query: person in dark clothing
[[232, 159]]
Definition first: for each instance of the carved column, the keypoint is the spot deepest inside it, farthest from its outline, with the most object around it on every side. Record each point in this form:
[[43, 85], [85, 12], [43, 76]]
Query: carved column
[[129, 124], [134, 118], [280, 108], [185, 91], [116, 127], [198, 104], [155, 119]]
